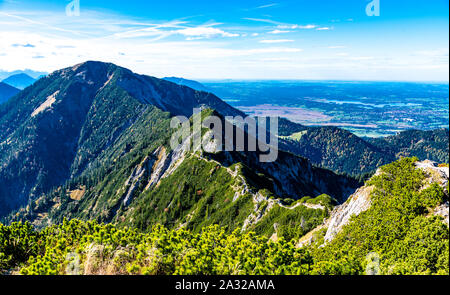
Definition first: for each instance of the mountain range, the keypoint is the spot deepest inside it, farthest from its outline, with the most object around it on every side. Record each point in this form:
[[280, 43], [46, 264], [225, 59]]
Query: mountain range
[[102, 127], [33, 74], [72, 126], [92, 142]]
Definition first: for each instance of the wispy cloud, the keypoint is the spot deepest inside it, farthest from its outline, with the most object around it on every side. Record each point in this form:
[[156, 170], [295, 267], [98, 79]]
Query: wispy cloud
[[267, 6], [263, 20], [293, 27], [30, 21], [276, 41], [361, 58], [307, 27], [198, 47], [156, 48], [279, 32], [204, 32], [161, 31], [24, 45]]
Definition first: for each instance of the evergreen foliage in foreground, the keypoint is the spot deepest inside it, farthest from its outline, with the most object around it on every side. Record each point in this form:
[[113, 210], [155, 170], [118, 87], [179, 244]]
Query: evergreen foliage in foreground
[[399, 230], [77, 247], [397, 235]]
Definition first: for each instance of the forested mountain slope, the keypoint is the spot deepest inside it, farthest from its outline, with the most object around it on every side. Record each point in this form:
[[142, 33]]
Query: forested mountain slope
[[396, 224], [7, 91], [397, 229], [57, 128], [431, 145], [92, 142], [150, 184], [341, 151]]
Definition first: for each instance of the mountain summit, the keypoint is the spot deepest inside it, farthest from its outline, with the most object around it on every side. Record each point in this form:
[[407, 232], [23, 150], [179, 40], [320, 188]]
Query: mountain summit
[[53, 129]]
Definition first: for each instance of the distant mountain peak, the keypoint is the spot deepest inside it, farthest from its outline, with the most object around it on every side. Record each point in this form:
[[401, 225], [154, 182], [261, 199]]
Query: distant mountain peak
[[19, 81], [189, 83], [22, 75]]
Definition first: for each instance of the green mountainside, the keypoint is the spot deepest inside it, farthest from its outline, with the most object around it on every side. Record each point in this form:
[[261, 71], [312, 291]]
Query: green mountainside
[[7, 91], [343, 152], [151, 184], [404, 230], [399, 233], [92, 142], [432, 145], [59, 127]]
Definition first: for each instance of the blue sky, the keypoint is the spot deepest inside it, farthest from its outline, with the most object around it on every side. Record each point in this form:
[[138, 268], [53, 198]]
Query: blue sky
[[286, 39]]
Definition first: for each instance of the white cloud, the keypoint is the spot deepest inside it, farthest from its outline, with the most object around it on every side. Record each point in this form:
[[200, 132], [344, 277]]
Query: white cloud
[[279, 32], [267, 6], [275, 50], [276, 41], [204, 32], [443, 52], [176, 28], [307, 27], [263, 20], [293, 27], [361, 58], [323, 29], [164, 48]]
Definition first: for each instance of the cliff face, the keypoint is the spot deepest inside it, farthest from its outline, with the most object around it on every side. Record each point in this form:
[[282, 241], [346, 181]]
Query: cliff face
[[357, 203], [294, 177]]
